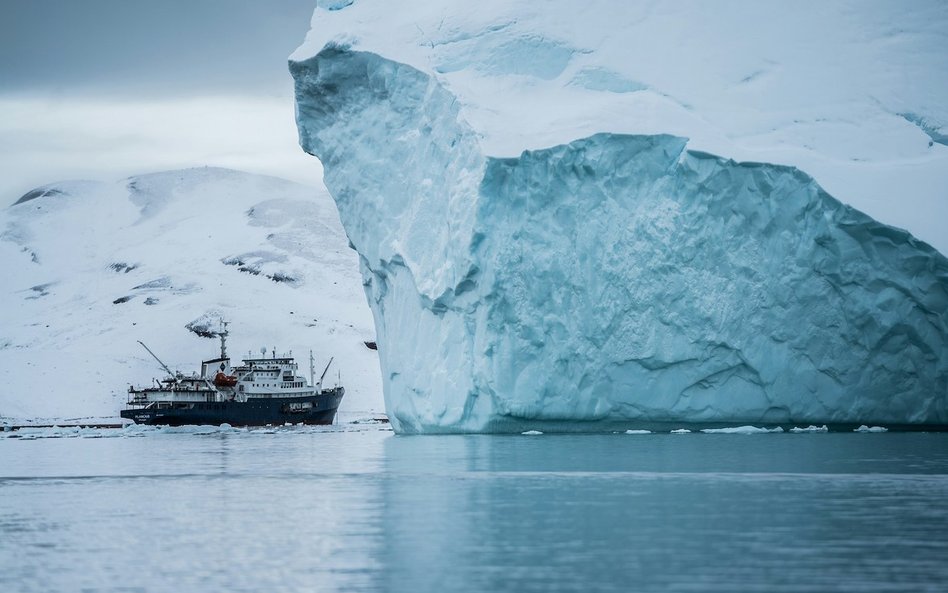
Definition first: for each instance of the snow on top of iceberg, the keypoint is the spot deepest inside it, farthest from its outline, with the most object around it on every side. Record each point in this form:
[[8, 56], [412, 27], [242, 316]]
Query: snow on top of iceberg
[[852, 94]]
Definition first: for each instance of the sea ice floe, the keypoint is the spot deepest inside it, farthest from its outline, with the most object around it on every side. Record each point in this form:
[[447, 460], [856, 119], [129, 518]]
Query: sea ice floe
[[865, 428], [742, 430], [810, 428]]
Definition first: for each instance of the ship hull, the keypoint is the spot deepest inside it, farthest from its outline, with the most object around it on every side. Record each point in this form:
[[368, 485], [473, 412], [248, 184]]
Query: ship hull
[[311, 409]]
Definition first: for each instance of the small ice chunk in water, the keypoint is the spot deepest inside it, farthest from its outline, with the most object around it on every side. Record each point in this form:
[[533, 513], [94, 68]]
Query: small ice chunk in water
[[742, 430], [865, 428], [810, 428], [638, 432], [680, 431], [189, 429], [532, 432], [137, 430]]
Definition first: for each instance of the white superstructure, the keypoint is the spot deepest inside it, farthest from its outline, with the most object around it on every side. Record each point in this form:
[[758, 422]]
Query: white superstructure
[[256, 377]]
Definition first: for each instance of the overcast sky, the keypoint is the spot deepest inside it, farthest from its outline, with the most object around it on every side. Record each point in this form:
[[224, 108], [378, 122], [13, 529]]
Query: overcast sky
[[107, 88]]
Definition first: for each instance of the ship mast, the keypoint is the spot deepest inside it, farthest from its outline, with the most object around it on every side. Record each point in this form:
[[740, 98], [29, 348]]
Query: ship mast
[[223, 336], [312, 370]]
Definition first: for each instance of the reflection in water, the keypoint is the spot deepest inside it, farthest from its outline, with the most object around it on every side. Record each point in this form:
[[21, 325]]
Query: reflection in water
[[289, 511], [362, 510], [665, 512]]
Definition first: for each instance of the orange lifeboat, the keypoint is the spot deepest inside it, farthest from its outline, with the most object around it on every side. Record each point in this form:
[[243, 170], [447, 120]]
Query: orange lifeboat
[[222, 380]]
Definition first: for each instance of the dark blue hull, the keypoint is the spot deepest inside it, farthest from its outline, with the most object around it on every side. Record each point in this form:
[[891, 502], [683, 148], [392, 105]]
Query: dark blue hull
[[312, 409]]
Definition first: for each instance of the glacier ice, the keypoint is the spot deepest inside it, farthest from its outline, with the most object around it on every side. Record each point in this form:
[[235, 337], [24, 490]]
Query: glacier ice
[[750, 81], [614, 278]]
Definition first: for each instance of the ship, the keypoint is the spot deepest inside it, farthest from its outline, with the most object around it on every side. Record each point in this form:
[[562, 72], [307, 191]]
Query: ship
[[261, 391]]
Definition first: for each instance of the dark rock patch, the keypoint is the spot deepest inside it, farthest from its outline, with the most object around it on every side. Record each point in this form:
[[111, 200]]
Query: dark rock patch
[[40, 192], [122, 267], [280, 277], [157, 283], [40, 290]]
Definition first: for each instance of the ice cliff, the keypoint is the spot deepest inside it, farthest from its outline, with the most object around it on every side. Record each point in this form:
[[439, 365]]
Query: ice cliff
[[614, 278]]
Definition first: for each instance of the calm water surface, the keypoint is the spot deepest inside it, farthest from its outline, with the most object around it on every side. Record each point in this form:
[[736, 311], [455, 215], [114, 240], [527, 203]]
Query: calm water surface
[[355, 508]]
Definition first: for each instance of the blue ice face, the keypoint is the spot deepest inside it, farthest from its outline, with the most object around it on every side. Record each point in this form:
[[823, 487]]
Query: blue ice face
[[616, 278]]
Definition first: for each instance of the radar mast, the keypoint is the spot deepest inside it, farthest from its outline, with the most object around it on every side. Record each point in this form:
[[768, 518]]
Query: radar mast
[[223, 336]]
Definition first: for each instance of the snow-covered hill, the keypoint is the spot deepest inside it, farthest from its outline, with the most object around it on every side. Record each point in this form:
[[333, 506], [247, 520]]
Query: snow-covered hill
[[91, 267]]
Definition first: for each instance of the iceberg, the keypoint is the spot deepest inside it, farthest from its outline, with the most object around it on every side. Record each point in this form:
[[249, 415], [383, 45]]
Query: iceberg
[[614, 278]]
